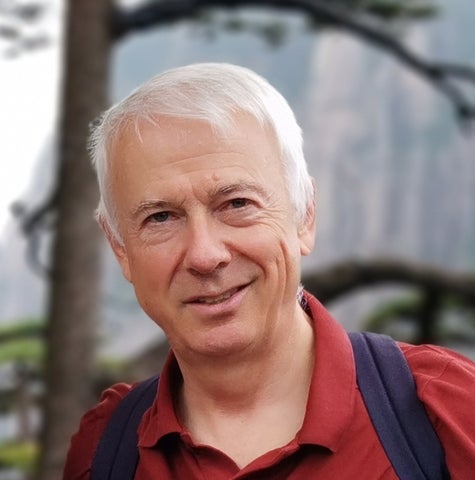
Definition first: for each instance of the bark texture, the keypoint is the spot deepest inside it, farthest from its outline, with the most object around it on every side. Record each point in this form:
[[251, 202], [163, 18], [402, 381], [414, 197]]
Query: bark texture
[[75, 276]]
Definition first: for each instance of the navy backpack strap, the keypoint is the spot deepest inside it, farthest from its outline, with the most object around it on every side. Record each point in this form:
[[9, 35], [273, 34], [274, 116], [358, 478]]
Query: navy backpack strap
[[117, 454], [399, 417]]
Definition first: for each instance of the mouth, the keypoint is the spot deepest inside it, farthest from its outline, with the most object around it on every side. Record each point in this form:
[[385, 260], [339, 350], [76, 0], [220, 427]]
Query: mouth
[[215, 299]]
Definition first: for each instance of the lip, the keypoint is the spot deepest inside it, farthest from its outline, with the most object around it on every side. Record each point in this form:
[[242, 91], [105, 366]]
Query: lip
[[217, 303], [214, 297]]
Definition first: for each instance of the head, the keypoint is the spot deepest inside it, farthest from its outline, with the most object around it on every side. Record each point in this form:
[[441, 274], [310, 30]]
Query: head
[[208, 206], [215, 93]]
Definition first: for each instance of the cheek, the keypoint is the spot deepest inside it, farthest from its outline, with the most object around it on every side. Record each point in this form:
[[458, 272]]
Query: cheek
[[149, 269], [271, 249], [150, 280]]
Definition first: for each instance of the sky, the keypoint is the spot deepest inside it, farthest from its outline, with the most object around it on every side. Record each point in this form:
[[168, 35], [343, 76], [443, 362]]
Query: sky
[[29, 86]]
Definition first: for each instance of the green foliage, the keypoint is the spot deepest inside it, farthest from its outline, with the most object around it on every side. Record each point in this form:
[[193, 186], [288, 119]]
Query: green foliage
[[397, 318], [459, 321], [19, 455], [454, 321], [22, 328], [22, 341], [400, 9], [275, 29], [111, 365], [402, 308], [24, 350], [386, 10]]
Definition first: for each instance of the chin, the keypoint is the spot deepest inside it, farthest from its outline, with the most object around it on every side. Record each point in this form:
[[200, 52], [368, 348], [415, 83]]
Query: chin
[[229, 345]]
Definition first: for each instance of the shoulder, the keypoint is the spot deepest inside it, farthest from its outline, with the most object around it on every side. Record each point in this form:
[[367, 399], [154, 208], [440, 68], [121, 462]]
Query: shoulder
[[445, 383], [433, 365], [84, 442]]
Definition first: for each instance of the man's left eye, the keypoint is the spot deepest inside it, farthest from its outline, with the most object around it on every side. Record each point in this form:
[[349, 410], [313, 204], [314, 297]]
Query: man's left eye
[[239, 202]]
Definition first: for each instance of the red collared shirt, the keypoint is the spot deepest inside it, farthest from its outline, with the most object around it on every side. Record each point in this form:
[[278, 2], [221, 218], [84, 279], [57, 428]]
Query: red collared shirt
[[336, 441]]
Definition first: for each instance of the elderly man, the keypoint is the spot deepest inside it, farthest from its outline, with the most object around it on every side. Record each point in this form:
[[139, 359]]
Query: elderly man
[[208, 206]]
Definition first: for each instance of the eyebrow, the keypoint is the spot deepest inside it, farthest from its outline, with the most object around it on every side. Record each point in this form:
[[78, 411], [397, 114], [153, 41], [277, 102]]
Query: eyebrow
[[149, 205], [237, 188], [223, 190]]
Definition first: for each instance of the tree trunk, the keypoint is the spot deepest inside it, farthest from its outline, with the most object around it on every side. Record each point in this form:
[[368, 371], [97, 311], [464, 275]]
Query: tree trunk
[[75, 277]]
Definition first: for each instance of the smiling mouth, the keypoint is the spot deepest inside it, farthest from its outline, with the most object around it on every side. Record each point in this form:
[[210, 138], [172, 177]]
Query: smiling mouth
[[218, 299]]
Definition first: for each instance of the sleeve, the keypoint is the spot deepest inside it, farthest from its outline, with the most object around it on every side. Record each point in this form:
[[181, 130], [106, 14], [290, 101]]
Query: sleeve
[[446, 385], [84, 442]]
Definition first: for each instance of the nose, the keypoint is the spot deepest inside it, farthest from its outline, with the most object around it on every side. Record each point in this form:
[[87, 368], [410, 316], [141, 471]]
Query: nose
[[206, 246]]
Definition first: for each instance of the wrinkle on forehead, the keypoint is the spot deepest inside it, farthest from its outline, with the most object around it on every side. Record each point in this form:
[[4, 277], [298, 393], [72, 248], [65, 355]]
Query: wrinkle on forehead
[[214, 192], [179, 152]]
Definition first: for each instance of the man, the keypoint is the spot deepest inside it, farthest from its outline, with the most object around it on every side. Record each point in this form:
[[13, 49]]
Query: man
[[208, 206]]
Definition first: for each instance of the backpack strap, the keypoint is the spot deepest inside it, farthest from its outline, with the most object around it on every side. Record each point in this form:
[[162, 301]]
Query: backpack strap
[[389, 392], [399, 417], [117, 453]]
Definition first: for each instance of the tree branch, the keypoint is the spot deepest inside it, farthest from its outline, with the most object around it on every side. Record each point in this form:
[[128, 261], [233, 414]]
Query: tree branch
[[350, 275], [14, 17], [33, 225], [440, 75]]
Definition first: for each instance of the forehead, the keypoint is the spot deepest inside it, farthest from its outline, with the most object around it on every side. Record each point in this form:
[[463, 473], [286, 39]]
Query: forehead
[[187, 136], [162, 154], [166, 140]]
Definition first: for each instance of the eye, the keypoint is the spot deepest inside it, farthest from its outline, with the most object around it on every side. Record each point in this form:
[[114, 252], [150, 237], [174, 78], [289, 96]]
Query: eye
[[239, 202], [159, 217]]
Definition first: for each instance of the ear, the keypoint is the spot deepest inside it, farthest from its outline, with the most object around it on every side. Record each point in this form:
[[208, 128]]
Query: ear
[[306, 231], [118, 248]]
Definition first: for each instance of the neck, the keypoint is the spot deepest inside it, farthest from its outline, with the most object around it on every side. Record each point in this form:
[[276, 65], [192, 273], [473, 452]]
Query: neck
[[222, 398]]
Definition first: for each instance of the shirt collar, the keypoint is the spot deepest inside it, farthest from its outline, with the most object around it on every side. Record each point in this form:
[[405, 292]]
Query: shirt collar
[[332, 393], [161, 419], [331, 398]]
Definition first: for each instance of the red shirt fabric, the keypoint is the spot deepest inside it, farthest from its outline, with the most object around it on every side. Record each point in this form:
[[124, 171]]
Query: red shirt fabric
[[336, 440]]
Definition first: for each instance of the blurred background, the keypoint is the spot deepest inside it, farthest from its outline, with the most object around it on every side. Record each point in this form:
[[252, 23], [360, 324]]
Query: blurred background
[[385, 93]]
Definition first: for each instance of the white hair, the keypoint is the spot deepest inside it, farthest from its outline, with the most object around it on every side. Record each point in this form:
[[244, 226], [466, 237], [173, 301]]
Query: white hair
[[213, 92]]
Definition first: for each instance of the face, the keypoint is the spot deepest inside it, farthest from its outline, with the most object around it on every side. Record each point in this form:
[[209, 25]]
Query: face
[[210, 241]]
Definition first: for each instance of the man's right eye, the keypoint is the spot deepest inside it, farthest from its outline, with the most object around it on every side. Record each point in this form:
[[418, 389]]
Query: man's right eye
[[159, 217]]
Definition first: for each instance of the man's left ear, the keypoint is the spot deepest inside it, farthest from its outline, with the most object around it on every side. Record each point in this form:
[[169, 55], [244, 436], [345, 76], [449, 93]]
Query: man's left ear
[[307, 229]]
